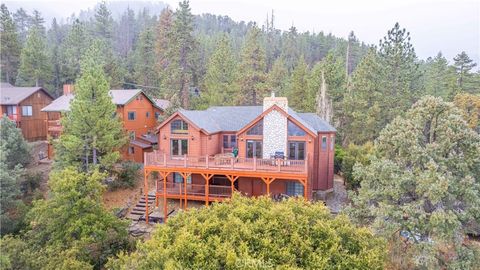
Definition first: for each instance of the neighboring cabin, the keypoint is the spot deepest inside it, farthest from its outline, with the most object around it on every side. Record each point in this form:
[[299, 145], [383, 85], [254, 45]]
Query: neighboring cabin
[[137, 111], [23, 106], [280, 151]]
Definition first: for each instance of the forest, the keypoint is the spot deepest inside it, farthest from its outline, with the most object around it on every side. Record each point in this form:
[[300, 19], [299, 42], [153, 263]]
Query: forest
[[407, 145]]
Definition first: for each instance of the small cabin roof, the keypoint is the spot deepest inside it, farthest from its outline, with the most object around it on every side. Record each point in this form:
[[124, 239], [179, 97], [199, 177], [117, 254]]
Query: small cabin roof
[[11, 95]]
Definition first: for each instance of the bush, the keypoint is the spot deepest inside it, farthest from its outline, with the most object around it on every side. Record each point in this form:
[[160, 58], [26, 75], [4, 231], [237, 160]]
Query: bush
[[257, 233], [127, 176], [338, 159], [355, 154]]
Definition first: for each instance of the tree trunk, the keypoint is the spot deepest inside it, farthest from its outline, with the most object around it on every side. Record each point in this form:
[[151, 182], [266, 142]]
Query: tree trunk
[[94, 156], [324, 104]]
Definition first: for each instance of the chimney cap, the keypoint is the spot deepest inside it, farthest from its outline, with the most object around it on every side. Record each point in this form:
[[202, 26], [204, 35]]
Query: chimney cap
[[273, 94]]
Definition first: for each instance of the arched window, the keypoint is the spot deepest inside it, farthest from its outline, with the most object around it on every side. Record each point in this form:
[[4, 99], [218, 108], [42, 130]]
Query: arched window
[[257, 129], [179, 127], [294, 130]]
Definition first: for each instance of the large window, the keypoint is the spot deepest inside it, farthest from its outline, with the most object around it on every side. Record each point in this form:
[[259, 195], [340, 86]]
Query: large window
[[178, 178], [257, 129], [179, 147], [294, 188], [254, 149], [229, 141], [296, 150], [132, 115], [27, 111], [179, 127], [294, 130]]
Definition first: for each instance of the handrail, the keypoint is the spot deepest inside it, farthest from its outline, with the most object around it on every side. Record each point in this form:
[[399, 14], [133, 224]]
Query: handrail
[[195, 189], [160, 159]]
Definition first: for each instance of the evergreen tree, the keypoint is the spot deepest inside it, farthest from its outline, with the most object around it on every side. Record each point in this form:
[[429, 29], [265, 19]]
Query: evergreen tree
[[290, 50], [297, 93], [424, 183], [401, 70], [463, 65], [277, 78], [92, 133], [126, 33], [55, 39], [469, 104], [35, 66], [364, 101], [163, 44], [185, 44], [251, 71], [145, 60], [219, 80], [13, 146], [74, 47], [37, 21], [103, 24], [438, 77], [22, 22], [10, 46]]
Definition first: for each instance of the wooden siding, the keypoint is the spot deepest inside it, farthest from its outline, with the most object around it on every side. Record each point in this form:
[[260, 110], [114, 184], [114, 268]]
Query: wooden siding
[[33, 127]]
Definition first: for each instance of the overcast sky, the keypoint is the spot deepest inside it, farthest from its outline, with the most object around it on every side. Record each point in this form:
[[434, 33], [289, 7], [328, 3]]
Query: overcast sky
[[435, 25]]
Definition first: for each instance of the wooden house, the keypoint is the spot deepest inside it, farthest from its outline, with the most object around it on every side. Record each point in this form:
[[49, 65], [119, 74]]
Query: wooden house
[[255, 150], [137, 111], [23, 106]]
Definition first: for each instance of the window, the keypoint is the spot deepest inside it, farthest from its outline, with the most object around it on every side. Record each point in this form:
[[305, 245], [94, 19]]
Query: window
[[179, 127], [294, 130], [131, 150], [26, 110], [178, 178], [294, 188], [229, 141], [148, 115], [257, 129], [11, 110], [132, 115], [179, 147], [324, 142], [332, 142], [254, 149], [296, 150], [131, 135]]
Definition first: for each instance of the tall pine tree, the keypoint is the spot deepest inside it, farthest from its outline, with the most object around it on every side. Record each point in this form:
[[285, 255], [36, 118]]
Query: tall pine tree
[[463, 65], [92, 132], [10, 46]]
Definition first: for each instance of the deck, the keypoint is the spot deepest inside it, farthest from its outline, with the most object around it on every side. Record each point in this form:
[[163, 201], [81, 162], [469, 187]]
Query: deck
[[221, 164]]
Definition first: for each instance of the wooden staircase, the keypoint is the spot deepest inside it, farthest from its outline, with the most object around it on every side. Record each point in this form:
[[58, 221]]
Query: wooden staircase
[[138, 211]]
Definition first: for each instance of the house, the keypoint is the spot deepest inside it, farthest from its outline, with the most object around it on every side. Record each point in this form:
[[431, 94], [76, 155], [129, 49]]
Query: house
[[137, 111], [279, 152], [23, 106]]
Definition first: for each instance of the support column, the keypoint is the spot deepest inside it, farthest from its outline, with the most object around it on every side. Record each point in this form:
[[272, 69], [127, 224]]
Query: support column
[[268, 181], [165, 201], [185, 176], [145, 187], [232, 181], [207, 178]]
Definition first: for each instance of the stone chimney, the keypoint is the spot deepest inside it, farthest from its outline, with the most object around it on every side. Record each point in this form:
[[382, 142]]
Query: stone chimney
[[281, 102], [274, 126], [68, 89]]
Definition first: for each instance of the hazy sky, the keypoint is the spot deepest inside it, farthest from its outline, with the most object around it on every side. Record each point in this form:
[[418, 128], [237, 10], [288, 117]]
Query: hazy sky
[[435, 25]]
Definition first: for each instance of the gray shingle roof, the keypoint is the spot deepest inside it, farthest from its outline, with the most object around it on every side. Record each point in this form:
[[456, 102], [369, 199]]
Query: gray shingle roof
[[119, 97], [234, 118], [11, 95], [162, 103]]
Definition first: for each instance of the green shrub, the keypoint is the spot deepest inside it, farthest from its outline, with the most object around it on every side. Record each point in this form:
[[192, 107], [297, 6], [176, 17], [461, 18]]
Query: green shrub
[[127, 176], [355, 154], [338, 159]]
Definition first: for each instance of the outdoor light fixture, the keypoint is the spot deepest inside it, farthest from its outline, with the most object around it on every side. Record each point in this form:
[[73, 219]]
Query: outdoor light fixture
[[193, 138], [164, 137]]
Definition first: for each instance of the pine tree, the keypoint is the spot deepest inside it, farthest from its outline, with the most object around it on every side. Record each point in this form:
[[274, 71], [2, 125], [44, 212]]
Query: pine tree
[[400, 63], [298, 92], [438, 77], [35, 66], [290, 50], [37, 21], [22, 22], [145, 60], [92, 133], [14, 148], [126, 33], [72, 50], [219, 80], [463, 65], [277, 78], [185, 44], [55, 39], [251, 71], [103, 23], [10, 46], [163, 44]]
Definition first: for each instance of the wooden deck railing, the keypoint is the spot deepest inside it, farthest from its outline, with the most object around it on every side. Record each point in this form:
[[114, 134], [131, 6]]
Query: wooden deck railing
[[195, 190], [159, 159]]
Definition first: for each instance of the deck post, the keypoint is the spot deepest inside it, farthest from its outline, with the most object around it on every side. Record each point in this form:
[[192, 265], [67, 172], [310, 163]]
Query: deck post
[[156, 191], [306, 163], [145, 178], [165, 206], [231, 162], [254, 163], [278, 164], [206, 161]]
